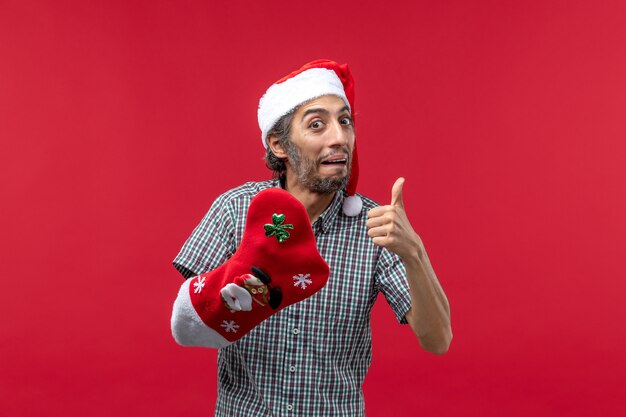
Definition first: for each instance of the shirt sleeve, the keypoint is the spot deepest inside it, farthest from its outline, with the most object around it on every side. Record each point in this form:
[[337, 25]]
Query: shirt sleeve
[[390, 278], [210, 244]]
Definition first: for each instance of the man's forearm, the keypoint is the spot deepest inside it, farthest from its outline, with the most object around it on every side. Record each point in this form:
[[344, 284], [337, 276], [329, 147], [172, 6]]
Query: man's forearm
[[429, 316]]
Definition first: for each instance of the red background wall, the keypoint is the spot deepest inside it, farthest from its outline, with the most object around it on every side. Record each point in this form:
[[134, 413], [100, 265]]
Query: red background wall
[[121, 121]]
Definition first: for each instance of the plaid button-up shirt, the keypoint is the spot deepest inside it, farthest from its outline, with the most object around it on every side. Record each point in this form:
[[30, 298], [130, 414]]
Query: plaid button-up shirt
[[309, 359]]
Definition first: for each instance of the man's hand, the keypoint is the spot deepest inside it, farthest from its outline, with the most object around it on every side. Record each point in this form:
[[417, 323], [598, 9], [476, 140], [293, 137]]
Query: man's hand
[[389, 227]]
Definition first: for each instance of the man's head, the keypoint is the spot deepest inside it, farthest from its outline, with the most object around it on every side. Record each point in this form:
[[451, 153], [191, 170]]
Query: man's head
[[314, 144], [307, 128]]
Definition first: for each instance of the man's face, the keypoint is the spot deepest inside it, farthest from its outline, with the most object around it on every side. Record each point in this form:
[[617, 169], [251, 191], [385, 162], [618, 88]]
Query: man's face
[[322, 141]]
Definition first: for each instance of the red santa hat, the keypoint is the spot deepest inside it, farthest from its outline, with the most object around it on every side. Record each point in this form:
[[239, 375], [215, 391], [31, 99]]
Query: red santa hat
[[315, 79]]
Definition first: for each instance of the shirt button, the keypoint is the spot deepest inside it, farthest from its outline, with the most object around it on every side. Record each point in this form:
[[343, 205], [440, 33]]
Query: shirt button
[[296, 330], [289, 407], [292, 369]]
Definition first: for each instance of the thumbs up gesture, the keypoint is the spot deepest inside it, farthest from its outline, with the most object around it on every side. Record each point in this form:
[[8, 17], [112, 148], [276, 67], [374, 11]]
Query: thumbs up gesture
[[389, 227]]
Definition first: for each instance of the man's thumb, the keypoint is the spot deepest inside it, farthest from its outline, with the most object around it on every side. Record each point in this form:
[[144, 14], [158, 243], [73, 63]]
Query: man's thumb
[[396, 193]]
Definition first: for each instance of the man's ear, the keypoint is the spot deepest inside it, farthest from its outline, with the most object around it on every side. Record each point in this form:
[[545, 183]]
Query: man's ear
[[277, 149]]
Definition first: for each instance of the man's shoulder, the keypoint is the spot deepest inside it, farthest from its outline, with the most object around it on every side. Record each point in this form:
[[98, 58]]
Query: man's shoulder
[[359, 219], [244, 192], [368, 203]]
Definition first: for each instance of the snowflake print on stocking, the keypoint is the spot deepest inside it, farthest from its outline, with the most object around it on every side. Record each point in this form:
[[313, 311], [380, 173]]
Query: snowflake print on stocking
[[199, 285], [230, 326], [302, 280]]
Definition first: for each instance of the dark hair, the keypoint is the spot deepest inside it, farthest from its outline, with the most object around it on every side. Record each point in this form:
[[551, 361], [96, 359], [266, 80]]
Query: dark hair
[[282, 130]]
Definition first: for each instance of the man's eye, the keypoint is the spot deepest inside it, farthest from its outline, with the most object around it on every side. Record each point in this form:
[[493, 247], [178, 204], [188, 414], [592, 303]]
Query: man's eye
[[346, 121], [316, 124]]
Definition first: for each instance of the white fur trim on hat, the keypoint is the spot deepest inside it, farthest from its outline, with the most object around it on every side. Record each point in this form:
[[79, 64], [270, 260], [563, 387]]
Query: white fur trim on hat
[[281, 98]]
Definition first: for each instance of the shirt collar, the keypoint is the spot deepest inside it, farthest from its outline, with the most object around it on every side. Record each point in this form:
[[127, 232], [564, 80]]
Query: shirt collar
[[327, 218]]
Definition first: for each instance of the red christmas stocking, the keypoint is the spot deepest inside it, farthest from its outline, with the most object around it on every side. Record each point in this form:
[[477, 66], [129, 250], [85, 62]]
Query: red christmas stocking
[[277, 264]]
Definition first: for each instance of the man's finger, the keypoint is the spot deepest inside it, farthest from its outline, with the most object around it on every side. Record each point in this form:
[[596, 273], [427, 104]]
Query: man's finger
[[377, 221], [380, 241], [378, 231], [396, 193], [377, 211]]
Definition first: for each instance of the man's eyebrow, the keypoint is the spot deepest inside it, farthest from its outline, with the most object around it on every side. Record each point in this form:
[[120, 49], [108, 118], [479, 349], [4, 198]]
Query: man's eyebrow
[[323, 111], [315, 110]]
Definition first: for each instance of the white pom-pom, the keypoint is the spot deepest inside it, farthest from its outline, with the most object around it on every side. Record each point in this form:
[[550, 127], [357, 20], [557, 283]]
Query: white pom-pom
[[352, 206]]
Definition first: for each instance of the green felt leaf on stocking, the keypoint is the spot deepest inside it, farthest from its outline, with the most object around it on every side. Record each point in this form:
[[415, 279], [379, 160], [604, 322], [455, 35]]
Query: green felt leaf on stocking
[[278, 228]]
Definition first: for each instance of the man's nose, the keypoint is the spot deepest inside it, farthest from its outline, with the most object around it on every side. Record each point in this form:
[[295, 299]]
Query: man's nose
[[339, 134]]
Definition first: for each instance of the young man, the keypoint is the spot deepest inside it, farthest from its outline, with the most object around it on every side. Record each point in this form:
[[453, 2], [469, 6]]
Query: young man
[[311, 358]]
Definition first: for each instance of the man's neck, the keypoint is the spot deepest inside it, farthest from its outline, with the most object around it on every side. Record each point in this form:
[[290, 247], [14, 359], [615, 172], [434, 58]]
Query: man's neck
[[314, 203]]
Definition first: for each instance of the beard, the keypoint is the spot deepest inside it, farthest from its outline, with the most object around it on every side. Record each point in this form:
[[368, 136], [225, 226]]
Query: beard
[[306, 171]]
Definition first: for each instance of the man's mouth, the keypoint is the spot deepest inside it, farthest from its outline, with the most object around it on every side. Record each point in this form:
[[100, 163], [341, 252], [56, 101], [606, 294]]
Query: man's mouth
[[339, 160]]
